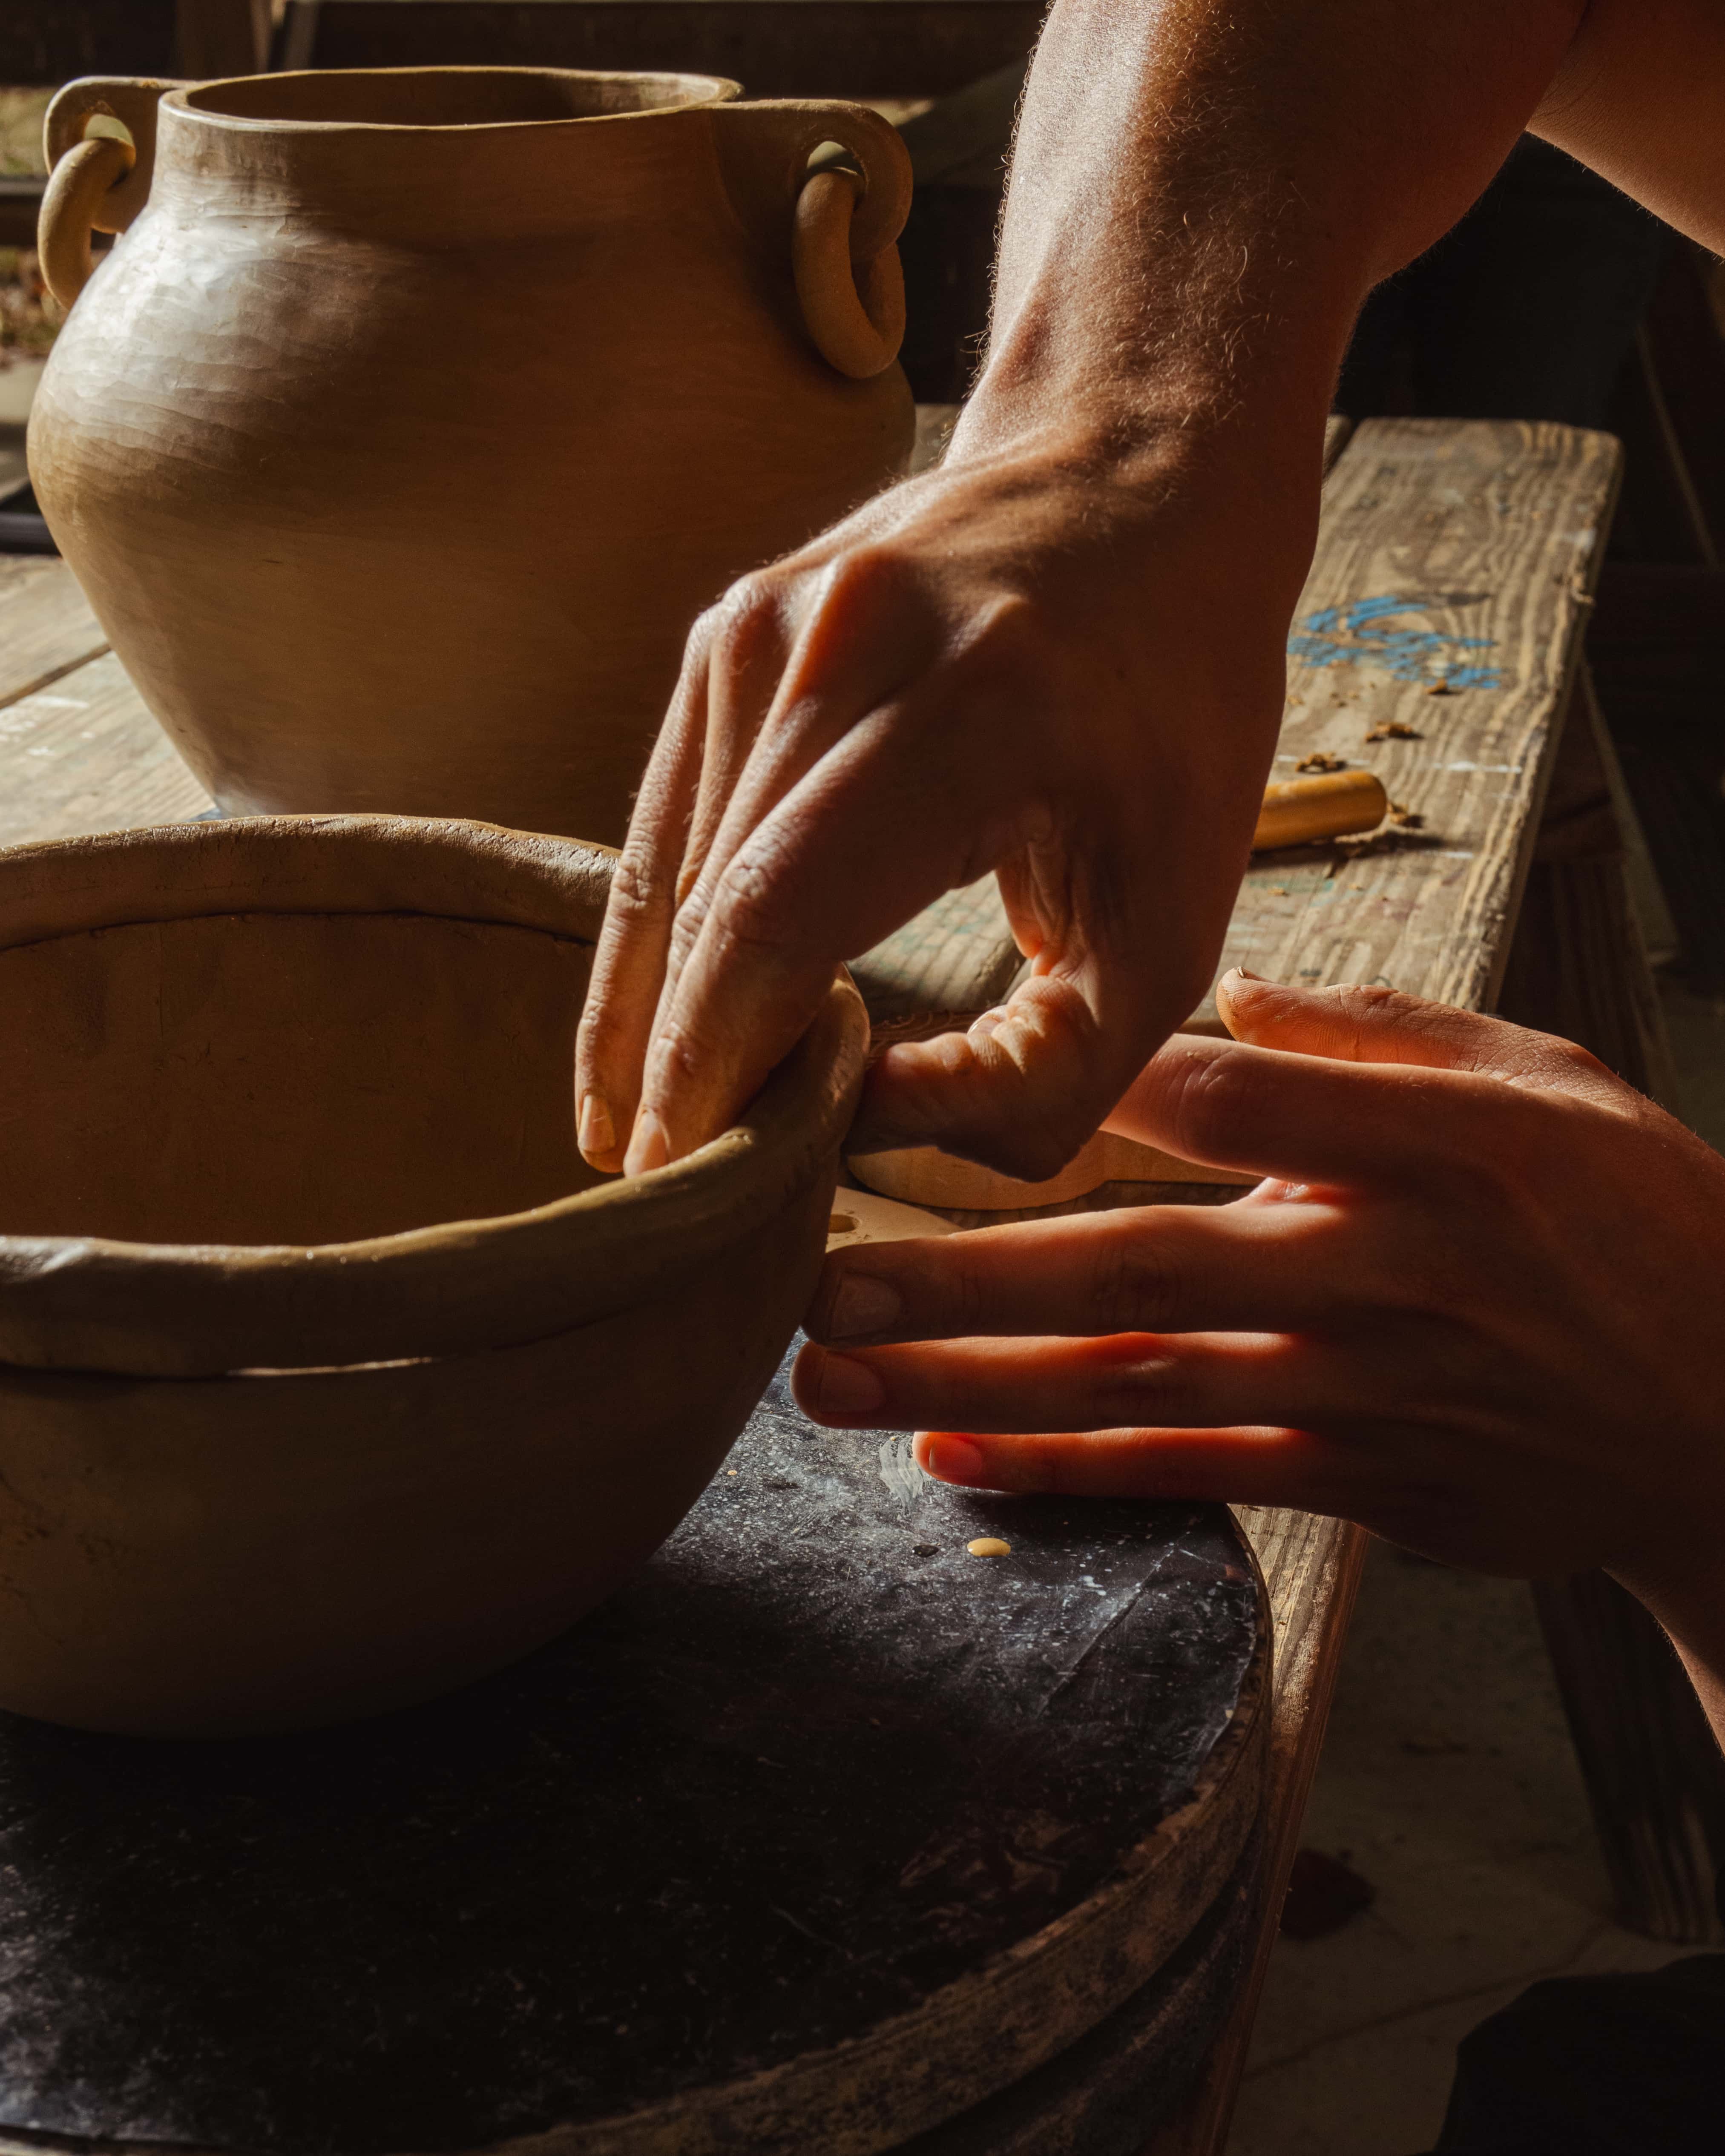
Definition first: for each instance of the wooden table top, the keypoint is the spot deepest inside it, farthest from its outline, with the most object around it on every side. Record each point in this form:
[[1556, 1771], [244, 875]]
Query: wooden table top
[[1444, 614]]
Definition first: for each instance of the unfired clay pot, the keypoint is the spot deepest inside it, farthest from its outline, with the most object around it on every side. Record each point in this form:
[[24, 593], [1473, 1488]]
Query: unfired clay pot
[[329, 1377], [419, 412]]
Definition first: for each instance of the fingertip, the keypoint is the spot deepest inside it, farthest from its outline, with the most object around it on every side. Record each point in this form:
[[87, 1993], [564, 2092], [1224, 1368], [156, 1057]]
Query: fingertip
[[1246, 1001], [950, 1458], [595, 1134], [649, 1145]]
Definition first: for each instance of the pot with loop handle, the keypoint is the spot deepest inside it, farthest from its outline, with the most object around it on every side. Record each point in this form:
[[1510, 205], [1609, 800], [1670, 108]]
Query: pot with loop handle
[[309, 520], [101, 139]]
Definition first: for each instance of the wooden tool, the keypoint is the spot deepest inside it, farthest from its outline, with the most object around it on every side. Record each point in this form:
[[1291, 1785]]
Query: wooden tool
[[923, 1175], [1329, 804]]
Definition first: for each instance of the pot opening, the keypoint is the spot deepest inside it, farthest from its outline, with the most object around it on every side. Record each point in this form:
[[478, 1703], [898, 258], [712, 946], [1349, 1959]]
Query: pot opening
[[288, 1078], [451, 97]]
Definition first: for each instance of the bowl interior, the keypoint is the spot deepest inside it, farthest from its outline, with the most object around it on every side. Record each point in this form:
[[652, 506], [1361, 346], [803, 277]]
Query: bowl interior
[[287, 1078], [448, 97]]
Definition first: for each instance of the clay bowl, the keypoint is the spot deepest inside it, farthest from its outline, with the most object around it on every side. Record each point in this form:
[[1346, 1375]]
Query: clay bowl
[[329, 1376]]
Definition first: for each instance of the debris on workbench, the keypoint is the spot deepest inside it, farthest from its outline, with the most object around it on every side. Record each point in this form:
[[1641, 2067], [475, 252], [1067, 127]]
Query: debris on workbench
[[1406, 819], [1320, 760], [1439, 689], [1394, 729]]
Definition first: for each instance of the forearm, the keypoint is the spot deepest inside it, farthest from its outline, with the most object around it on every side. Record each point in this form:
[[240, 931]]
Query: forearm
[[1203, 191], [1640, 97]]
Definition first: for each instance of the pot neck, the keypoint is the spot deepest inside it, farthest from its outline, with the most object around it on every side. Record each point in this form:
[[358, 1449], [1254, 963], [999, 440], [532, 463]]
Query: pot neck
[[550, 150]]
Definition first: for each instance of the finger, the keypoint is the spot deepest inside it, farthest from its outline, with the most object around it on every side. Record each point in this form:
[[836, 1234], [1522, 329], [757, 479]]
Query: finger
[[629, 965], [1028, 1084], [861, 843], [1309, 1122], [1122, 904], [751, 640], [1359, 1024], [793, 669], [1248, 1466], [1189, 1381], [1245, 1267]]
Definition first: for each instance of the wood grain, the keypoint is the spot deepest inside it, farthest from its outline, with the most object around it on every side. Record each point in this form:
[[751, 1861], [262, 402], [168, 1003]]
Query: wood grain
[[82, 753], [1485, 539], [46, 625]]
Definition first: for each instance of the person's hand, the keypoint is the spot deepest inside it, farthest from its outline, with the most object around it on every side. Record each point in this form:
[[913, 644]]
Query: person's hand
[[1060, 661], [1478, 1305]]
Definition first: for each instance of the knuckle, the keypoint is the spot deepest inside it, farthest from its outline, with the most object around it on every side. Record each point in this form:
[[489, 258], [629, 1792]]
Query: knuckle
[[1374, 1005], [742, 622], [1569, 1060], [681, 1058], [1146, 1390], [1134, 1290], [1209, 1095], [748, 905], [868, 571], [635, 888]]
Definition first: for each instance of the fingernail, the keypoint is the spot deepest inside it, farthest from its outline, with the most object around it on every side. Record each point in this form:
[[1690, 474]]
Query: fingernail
[[951, 1459], [649, 1147], [594, 1132], [846, 1386], [862, 1303], [1245, 973]]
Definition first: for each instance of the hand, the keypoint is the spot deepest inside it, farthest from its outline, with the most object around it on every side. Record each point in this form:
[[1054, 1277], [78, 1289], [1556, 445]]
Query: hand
[[1479, 1304], [1059, 662]]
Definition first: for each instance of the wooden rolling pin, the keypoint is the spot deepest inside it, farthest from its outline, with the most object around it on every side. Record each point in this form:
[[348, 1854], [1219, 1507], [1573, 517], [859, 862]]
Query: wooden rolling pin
[[1299, 812]]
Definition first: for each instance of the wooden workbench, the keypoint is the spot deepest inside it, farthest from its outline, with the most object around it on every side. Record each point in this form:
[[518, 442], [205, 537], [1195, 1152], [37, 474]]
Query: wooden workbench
[[1448, 596]]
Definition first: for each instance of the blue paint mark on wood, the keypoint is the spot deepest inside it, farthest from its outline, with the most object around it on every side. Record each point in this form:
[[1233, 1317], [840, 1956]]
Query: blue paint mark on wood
[[1365, 632]]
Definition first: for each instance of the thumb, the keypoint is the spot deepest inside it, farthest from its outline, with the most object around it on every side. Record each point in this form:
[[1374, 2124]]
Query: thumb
[[1354, 1025]]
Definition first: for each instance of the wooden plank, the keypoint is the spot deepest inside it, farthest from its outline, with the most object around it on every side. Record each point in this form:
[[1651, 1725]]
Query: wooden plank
[[1461, 554], [46, 626], [84, 754]]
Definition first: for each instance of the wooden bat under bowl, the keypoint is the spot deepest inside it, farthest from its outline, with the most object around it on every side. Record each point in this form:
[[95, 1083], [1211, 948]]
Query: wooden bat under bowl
[[331, 1376]]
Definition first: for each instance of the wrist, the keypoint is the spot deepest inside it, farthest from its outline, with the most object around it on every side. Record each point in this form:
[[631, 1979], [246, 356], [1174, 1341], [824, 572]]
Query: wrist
[[1228, 499]]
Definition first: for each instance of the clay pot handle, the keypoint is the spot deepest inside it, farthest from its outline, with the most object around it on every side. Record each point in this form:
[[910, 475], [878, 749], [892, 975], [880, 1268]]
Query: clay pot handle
[[100, 174], [842, 226]]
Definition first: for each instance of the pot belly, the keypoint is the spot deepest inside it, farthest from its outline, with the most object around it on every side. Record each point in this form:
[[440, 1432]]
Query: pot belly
[[353, 565]]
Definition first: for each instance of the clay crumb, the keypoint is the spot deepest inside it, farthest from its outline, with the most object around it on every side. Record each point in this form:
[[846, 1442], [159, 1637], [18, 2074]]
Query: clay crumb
[[1322, 760], [1408, 819], [1439, 689], [1394, 729], [989, 1546]]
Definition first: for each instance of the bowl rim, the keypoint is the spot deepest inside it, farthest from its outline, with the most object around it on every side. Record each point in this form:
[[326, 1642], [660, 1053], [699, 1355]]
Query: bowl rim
[[81, 1303]]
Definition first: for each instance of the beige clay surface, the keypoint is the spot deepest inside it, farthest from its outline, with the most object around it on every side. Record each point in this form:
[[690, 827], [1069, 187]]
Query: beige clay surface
[[311, 510], [329, 1376]]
